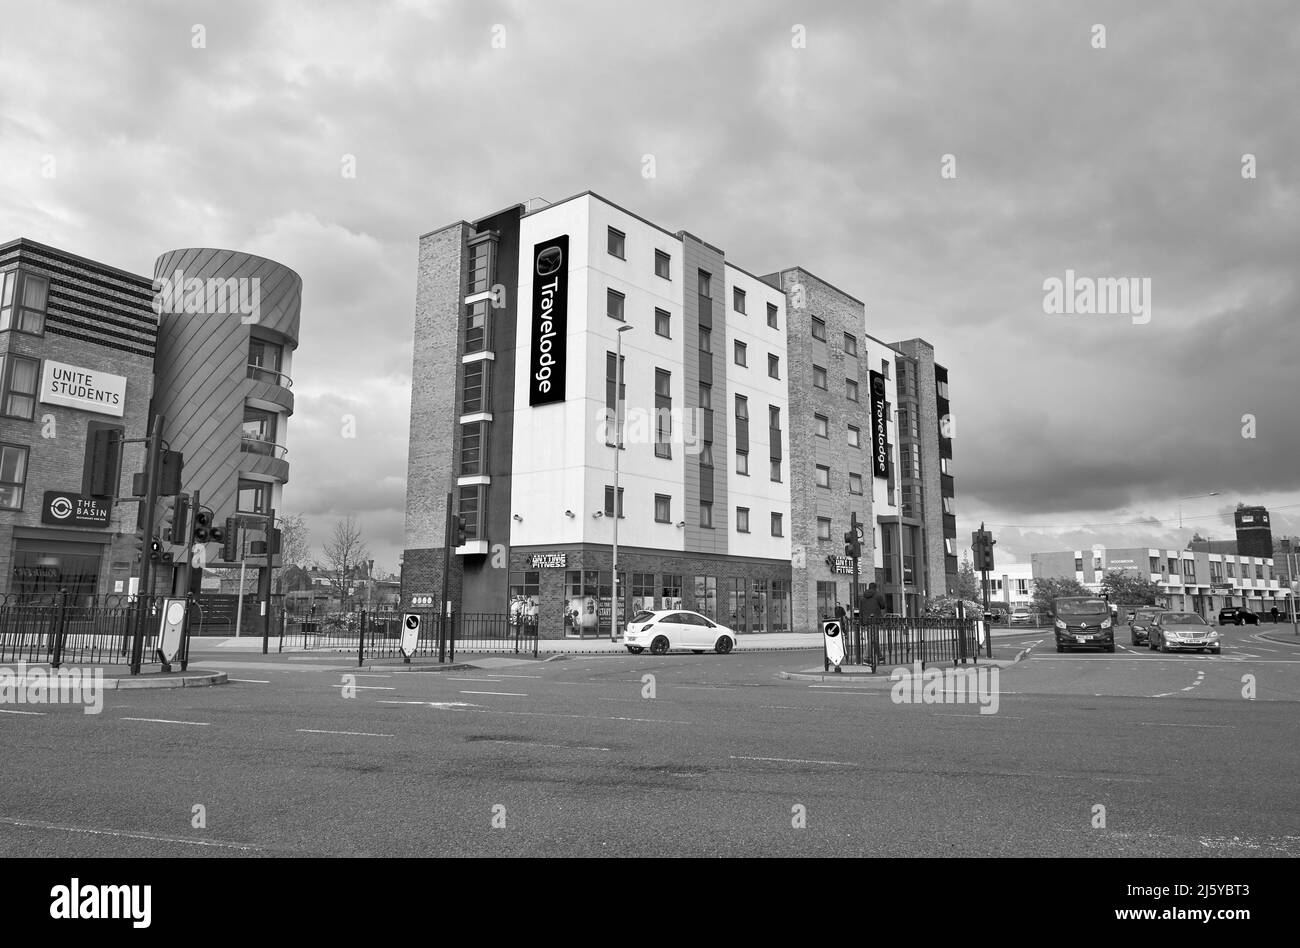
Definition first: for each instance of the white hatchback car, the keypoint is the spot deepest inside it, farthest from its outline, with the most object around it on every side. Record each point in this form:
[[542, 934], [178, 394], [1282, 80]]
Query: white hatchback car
[[666, 629]]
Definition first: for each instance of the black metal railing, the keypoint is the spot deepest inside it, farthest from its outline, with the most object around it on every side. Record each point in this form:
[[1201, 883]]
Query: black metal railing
[[906, 641], [86, 630], [379, 634]]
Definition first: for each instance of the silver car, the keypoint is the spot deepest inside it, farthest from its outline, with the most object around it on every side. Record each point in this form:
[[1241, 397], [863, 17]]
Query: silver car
[[665, 629], [1182, 631]]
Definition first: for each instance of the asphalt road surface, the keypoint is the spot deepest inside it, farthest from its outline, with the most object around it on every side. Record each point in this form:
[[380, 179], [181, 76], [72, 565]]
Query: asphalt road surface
[[1131, 754]]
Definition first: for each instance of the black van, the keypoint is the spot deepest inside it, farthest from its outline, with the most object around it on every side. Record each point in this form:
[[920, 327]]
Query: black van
[[1083, 622]]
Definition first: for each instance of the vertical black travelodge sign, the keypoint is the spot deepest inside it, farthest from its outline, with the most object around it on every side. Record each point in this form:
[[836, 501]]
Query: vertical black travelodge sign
[[550, 315], [879, 427]]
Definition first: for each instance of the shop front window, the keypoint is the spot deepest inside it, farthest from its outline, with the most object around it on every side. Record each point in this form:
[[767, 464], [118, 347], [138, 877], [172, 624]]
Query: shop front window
[[706, 596], [525, 591], [43, 567]]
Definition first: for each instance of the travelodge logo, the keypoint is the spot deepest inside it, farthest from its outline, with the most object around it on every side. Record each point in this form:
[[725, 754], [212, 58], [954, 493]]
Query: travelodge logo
[[879, 427], [550, 321]]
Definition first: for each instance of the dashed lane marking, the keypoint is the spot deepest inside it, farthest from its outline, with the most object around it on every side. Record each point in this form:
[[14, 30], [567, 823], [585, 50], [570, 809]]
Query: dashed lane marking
[[367, 687], [461, 706], [40, 824], [168, 721], [250, 681], [504, 694], [792, 760], [8, 711], [307, 730], [1231, 727]]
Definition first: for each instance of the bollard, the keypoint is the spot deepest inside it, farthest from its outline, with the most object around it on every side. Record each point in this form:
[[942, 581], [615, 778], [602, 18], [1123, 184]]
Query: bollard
[[361, 641]]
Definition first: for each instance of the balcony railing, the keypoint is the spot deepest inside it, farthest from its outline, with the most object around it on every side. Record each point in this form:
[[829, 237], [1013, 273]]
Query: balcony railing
[[261, 373], [251, 445]]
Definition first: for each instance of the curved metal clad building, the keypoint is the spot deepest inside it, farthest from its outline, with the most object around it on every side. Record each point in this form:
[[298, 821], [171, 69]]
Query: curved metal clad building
[[227, 329]]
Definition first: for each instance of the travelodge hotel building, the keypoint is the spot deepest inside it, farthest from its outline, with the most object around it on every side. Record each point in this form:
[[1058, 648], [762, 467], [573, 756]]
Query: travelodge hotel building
[[758, 416]]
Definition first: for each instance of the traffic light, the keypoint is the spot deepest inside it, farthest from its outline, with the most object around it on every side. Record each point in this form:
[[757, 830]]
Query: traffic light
[[169, 474], [105, 461], [274, 539], [155, 549], [180, 520], [460, 531], [230, 545], [982, 546], [203, 526], [853, 539]]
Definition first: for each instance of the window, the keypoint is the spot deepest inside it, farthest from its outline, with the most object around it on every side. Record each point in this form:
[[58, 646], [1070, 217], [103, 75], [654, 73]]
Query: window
[[773, 366], [662, 261], [643, 588], [706, 513], [609, 501], [1096, 564], [253, 497], [827, 597], [706, 596], [771, 315], [706, 340], [819, 377], [818, 329], [823, 476], [777, 528], [264, 361], [941, 389], [855, 436], [1078, 564], [612, 398], [616, 244], [742, 519], [1259, 571], [851, 389], [1155, 564], [774, 417], [474, 394], [526, 586], [1232, 570], [476, 326], [776, 471], [258, 431], [13, 476], [855, 483], [741, 352], [1216, 570], [706, 284], [821, 426], [663, 414], [614, 304], [742, 462], [884, 368], [850, 344], [1189, 568], [663, 508], [18, 386], [663, 323], [823, 528], [472, 455], [706, 454], [706, 397], [949, 506], [469, 505], [480, 267], [737, 299], [672, 591], [1172, 566], [22, 301]]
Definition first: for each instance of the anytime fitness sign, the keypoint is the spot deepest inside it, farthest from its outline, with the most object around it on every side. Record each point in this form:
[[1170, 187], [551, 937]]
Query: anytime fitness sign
[[879, 427], [550, 321]]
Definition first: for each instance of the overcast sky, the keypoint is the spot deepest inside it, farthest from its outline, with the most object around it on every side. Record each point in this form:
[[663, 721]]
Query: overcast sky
[[1123, 161]]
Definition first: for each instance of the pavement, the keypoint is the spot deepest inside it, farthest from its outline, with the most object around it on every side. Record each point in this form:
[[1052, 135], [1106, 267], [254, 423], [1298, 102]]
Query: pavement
[[120, 677]]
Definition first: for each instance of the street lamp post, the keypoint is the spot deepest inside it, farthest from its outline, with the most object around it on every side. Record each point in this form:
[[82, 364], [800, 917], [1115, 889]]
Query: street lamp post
[[618, 449], [1213, 493]]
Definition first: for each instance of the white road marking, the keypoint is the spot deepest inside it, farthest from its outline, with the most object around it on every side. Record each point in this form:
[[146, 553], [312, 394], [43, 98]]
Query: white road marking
[[167, 721], [40, 824], [367, 687], [307, 730], [7, 711], [517, 676], [249, 681], [488, 680], [788, 760], [504, 694], [862, 692], [1231, 727], [361, 675], [461, 706]]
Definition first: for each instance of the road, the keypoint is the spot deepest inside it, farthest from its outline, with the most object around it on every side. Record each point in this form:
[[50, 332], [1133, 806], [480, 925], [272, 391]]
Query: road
[[1131, 754]]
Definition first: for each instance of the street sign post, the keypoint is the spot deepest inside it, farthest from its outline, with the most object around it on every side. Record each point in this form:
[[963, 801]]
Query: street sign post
[[833, 644], [171, 631], [410, 635]]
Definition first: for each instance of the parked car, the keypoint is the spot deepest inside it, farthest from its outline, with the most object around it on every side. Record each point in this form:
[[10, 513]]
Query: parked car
[[1173, 631], [1083, 622], [1236, 615], [1139, 625], [1021, 615], [664, 629]]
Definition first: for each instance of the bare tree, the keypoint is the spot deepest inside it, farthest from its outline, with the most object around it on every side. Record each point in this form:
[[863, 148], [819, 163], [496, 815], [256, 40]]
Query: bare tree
[[344, 552], [295, 545]]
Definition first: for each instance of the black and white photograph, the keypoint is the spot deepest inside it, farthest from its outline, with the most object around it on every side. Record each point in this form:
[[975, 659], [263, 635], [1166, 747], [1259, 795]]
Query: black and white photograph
[[542, 430]]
